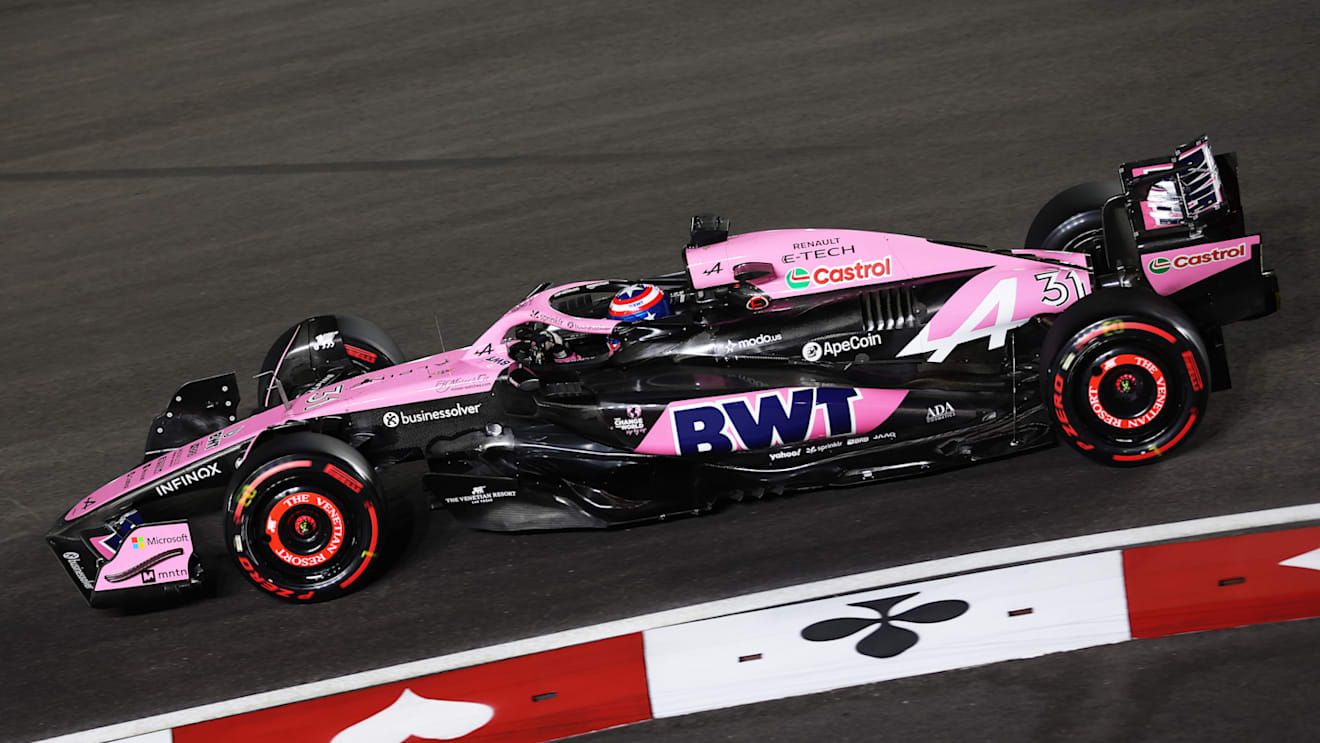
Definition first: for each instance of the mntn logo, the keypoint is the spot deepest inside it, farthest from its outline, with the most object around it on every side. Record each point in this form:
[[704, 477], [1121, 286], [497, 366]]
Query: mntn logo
[[763, 420]]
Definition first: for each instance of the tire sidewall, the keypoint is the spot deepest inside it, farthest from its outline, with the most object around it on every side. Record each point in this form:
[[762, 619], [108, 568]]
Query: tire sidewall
[[326, 470], [1072, 380], [1080, 233], [1067, 206]]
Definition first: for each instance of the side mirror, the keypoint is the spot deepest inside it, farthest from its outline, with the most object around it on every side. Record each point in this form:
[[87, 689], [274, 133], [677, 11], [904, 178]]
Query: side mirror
[[708, 229]]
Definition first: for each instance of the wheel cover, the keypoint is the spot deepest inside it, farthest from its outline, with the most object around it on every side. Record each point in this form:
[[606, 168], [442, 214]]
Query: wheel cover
[[1127, 391], [305, 529]]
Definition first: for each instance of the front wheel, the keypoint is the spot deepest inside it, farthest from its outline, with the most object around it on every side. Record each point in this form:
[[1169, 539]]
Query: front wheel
[[305, 519], [1127, 388], [290, 361]]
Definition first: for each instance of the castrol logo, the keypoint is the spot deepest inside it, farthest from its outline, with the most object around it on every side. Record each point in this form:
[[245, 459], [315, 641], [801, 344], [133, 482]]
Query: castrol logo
[[802, 278], [1163, 265]]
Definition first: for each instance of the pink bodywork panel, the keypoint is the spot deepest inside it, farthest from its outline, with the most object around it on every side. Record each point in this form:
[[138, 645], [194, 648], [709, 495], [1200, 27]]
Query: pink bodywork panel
[[142, 545], [1172, 270], [460, 372], [536, 308], [1010, 290], [798, 257], [1074, 259], [868, 410]]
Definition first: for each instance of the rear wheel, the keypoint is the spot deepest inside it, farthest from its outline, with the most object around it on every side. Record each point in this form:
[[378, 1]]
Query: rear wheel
[[1126, 378], [1071, 220], [306, 521]]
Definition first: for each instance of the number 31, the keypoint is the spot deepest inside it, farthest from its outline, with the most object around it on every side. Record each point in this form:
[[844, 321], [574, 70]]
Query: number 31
[[1055, 292]]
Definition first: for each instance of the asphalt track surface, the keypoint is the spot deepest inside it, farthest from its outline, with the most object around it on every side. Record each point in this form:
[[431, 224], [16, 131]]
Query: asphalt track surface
[[181, 181]]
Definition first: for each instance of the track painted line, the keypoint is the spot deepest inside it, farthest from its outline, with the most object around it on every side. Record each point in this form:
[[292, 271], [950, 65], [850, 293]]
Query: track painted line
[[973, 619], [750, 602]]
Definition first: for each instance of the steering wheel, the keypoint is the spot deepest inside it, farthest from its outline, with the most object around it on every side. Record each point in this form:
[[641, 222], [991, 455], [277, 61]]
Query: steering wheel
[[538, 346]]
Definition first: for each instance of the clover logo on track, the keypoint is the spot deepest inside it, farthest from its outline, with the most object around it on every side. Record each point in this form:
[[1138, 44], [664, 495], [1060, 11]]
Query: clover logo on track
[[887, 640]]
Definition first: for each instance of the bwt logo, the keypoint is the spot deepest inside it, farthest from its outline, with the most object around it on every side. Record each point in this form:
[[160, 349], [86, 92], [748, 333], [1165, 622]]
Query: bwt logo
[[763, 420]]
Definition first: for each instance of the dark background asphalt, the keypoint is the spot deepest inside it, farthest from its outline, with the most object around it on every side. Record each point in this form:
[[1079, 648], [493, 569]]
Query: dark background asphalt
[[179, 181]]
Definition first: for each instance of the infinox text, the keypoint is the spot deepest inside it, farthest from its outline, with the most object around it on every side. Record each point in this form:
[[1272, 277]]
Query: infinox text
[[188, 478]]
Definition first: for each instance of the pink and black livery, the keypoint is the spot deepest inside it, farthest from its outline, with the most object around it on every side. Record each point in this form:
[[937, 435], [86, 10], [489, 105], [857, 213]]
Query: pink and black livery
[[786, 360]]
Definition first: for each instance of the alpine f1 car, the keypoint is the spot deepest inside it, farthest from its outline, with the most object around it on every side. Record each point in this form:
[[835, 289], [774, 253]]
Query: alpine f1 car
[[774, 362]]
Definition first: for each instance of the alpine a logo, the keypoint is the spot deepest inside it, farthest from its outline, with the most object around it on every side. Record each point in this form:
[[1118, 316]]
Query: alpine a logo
[[816, 350], [393, 419], [764, 420], [1162, 264], [992, 318], [801, 278]]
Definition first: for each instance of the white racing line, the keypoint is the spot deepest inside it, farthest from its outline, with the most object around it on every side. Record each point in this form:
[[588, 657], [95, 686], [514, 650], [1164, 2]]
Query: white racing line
[[948, 566]]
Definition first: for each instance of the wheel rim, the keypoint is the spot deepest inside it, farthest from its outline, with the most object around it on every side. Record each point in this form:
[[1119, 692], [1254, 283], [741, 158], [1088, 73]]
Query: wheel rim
[[1128, 397], [1127, 388], [1127, 391], [302, 529], [1084, 242], [305, 529]]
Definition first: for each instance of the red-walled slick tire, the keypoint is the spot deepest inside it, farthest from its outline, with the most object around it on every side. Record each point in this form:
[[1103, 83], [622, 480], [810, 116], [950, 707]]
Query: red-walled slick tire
[[1125, 378], [305, 519]]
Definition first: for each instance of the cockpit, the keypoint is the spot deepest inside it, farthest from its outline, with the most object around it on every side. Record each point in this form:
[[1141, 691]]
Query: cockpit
[[686, 310]]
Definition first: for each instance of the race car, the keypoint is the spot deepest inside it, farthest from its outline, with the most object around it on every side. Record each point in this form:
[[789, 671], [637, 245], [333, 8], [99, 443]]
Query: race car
[[773, 362]]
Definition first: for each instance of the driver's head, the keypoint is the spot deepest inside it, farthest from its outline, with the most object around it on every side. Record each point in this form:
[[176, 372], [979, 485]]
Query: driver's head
[[634, 303], [637, 302]]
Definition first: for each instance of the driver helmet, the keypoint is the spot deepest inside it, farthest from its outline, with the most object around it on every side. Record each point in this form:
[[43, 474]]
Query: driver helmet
[[637, 302]]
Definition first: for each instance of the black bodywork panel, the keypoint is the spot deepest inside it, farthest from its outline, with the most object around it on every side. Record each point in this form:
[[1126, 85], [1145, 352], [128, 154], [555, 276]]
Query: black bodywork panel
[[563, 454]]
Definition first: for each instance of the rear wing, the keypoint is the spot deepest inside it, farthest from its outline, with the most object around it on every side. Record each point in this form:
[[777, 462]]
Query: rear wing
[[1178, 229], [1193, 194]]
